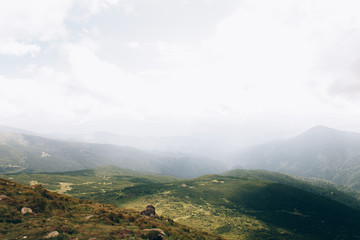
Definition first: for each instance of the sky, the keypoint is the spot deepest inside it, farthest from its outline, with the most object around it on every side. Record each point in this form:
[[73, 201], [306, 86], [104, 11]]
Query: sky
[[251, 70]]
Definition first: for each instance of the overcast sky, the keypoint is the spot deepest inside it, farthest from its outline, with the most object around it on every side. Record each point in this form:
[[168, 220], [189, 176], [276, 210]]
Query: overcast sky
[[182, 67]]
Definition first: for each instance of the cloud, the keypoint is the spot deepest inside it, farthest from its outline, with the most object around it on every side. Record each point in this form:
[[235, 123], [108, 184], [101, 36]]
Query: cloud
[[45, 20], [190, 61], [38, 19], [282, 56], [16, 48]]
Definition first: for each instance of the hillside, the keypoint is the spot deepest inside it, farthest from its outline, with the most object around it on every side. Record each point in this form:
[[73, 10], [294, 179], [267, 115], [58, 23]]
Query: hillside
[[245, 209], [320, 187], [320, 152], [77, 219], [89, 182], [233, 207], [28, 153]]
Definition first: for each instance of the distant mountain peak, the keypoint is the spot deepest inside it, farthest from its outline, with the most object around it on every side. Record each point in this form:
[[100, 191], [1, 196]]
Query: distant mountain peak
[[320, 128], [319, 131]]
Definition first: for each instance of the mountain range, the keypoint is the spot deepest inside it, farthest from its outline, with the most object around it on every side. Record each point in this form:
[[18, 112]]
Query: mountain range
[[29, 153], [320, 152]]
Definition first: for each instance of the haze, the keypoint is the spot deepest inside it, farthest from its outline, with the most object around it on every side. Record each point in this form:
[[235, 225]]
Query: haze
[[241, 72]]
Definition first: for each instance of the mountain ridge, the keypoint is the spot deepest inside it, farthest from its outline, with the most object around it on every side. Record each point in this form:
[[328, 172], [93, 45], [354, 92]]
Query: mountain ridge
[[320, 152], [28, 153]]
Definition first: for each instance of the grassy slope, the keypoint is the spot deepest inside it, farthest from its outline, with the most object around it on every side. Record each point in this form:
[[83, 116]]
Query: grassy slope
[[76, 219], [84, 183], [246, 209], [320, 187], [235, 208]]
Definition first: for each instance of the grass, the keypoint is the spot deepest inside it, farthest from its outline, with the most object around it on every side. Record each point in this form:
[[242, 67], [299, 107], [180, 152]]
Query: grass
[[77, 219], [84, 183], [245, 209]]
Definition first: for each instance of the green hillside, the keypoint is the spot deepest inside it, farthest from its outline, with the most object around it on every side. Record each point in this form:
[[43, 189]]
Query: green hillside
[[85, 183], [320, 187], [71, 218], [229, 206], [246, 205], [28, 153], [245, 209]]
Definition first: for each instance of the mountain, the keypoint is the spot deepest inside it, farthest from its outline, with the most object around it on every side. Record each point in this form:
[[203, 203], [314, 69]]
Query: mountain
[[320, 152], [5, 129], [35, 213], [28, 153]]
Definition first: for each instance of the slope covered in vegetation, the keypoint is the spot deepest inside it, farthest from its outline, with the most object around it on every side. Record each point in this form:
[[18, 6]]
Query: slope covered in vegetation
[[245, 209], [243, 205], [84, 183], [345, 195], [36, 213]]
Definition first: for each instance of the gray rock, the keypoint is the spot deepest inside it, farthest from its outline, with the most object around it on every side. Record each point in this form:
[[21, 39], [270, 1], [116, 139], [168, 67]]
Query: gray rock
[[25, 210], [149, 211], [155, 233], [2, 197], [52, 234]]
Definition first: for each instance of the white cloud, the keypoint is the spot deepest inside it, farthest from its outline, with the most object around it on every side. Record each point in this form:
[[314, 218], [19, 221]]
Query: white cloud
[[45, 20], [281, 56], [16, 48], [134, 45], [38, 19]]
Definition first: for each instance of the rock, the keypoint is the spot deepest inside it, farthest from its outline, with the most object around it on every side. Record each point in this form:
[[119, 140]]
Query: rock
[[2, 197], [88, 217], [154, 234], [52, 234], [25, 210], [149, 211]]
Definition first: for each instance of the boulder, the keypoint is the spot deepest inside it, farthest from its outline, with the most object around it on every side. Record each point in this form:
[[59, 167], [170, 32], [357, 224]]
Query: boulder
[[154, 234], [2, 197], [149, 211], [88, 217], [52, 234], [25, 210]]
